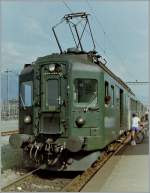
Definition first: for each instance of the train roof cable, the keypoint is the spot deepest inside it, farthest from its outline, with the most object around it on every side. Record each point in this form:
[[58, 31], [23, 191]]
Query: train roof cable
[[97, 43], [106, 35], [71, 11], [138, 83]]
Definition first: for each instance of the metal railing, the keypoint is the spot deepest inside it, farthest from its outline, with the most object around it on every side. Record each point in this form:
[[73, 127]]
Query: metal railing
[[9, 95], [9, 110]]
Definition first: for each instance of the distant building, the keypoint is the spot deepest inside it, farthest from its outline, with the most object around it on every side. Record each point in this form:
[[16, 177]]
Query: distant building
[[9, 110]]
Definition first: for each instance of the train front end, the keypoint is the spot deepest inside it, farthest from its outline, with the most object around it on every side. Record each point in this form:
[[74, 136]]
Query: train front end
[[43, 113]]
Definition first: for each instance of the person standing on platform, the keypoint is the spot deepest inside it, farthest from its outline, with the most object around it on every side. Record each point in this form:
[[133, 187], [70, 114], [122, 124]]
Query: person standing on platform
[[135, 127]]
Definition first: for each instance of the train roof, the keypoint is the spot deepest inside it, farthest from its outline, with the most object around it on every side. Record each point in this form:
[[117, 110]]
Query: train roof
[[84, 57], [119, 80]]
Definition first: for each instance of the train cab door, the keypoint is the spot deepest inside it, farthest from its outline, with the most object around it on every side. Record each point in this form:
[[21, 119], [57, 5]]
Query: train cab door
[[50, 111], [53, 102]]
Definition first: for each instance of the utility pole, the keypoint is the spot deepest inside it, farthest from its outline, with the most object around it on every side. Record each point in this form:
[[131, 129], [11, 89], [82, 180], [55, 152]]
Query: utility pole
[[7, 96], [0, 98]]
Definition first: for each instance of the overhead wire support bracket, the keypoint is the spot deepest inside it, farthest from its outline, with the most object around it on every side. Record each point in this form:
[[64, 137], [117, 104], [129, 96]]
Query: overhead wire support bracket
[[75, 32], [91, 33], [78, 37], [53, 29], [73, 35], [73, 15], [82, 33]]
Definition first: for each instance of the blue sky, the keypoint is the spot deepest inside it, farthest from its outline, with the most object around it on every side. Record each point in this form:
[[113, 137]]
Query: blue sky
[[26, 34]]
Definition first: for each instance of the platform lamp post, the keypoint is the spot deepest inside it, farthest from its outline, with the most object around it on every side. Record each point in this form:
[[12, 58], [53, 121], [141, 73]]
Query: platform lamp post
[[0, 98]]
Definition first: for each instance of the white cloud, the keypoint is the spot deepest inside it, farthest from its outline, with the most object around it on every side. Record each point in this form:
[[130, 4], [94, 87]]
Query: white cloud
[[143, 32], [34, 27], [13, 55], [11, 49]]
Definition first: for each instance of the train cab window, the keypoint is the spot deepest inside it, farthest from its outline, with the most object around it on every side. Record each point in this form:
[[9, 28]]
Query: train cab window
[[85, 91], [52, 92], [26, 93]]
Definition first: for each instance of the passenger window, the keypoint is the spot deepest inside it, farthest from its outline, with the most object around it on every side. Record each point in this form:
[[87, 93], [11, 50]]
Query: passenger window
[[112, 95], [85, 91], [106, 88], [107, 98]]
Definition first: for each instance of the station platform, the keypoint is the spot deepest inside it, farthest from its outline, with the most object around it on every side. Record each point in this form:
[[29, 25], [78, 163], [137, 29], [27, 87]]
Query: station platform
[[127, 171], [8, 125], [10, 157]]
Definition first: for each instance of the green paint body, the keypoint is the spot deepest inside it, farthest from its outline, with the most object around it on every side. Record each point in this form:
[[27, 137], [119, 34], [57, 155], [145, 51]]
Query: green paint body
[[102, 125]]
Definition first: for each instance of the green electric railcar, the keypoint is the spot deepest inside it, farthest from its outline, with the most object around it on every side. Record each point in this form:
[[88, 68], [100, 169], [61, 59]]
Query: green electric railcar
[[70, 107]]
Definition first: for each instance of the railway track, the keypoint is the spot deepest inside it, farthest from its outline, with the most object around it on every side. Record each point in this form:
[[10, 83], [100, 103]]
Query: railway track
[[5, 133], [20, 179], [31, 182], [38, 181]]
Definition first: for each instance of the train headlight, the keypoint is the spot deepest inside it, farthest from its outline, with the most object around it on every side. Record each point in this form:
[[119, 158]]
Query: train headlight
[[51, 67], [27, 119], [80, 121]]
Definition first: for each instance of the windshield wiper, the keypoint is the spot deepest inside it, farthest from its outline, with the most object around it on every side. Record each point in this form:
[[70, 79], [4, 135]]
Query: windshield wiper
[[22, 102]]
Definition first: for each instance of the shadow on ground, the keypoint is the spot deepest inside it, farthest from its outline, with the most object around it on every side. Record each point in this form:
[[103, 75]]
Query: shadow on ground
[[139, 149], [10, 157]]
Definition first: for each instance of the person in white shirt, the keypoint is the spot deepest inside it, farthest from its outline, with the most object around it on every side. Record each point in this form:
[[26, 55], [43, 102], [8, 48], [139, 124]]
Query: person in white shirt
[[135, 127]]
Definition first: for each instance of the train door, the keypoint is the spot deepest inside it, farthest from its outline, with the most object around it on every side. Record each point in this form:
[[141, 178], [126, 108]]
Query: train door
[[50, 117], [53, 102], [110, 117], [121, 108], [129, 112]]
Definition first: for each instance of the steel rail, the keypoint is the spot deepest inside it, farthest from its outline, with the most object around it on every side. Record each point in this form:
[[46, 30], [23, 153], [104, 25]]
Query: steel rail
[[5, 187], [5, 133]]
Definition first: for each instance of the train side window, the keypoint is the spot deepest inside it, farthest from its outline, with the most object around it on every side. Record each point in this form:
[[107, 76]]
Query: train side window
[[107, 98], [112, 95], [86, 91], [106, 88]]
